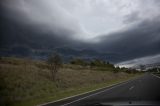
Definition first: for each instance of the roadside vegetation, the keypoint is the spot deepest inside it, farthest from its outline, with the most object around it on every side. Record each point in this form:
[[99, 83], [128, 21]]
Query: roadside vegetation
[[26, 82]]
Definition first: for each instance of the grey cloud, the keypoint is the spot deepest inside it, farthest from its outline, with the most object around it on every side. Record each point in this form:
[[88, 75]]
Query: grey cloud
[[141, 40], [61, 22], [82, 19], [131, 18], [140, 61], [45, 15]]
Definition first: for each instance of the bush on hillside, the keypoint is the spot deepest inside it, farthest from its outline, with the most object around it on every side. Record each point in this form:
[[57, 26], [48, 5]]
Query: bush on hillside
[[54, 62], [79, 61]]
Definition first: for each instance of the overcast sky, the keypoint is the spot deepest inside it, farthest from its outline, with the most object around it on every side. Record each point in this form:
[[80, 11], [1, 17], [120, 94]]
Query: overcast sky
[[87, 18], [110, 24], [140, 61]]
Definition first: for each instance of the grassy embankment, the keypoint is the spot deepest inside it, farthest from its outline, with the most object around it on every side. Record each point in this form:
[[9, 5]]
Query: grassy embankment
[[25, 82]]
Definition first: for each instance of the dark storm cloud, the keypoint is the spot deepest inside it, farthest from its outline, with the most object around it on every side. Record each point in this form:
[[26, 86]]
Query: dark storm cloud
[[142, 39], [130, 18], [15, 33], [132, 27], [44, 15]]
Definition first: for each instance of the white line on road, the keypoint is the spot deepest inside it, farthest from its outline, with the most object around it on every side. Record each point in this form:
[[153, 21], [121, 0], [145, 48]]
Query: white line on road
[[97, 93], [107, 88], [83, 93], [131, 87], [155, 76]]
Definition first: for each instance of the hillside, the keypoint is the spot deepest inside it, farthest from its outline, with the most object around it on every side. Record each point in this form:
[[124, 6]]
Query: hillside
[[25, 82]]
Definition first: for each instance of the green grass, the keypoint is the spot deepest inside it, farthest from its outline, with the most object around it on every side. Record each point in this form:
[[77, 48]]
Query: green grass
[[26, 82]]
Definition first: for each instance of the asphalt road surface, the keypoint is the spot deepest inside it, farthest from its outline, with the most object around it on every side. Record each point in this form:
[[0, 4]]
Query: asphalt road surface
[[144, 90]]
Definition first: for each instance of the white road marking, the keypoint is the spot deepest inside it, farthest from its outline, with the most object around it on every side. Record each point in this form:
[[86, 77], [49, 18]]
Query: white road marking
[[107, 88], [156, 76], [83, 93], [131, 87], [97, 93]]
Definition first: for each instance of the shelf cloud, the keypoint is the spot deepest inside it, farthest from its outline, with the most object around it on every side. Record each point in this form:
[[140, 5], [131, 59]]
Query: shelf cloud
[[129, 28]]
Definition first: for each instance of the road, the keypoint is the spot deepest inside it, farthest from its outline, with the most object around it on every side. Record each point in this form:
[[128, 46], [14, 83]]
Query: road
[[142, 90]]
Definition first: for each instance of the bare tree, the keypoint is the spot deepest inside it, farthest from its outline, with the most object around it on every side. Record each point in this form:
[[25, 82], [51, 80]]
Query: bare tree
[[54, 62]]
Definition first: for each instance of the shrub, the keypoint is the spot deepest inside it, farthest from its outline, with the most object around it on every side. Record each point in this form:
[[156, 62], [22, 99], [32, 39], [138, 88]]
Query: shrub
[[54, 62]]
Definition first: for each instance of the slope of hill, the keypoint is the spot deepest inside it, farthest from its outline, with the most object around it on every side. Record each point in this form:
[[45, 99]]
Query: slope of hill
[[25, 82]]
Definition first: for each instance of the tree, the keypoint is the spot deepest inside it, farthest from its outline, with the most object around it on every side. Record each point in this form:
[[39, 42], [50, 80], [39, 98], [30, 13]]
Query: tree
[[54, 62], [99, 63], [79, 61]]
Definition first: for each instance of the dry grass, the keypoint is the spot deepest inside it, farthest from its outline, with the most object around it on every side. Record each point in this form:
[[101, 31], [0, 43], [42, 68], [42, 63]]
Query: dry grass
[[84, 77], [22, 80]]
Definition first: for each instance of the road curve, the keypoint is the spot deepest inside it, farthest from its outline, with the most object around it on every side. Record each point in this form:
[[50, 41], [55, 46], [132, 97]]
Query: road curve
[[144, 89]]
